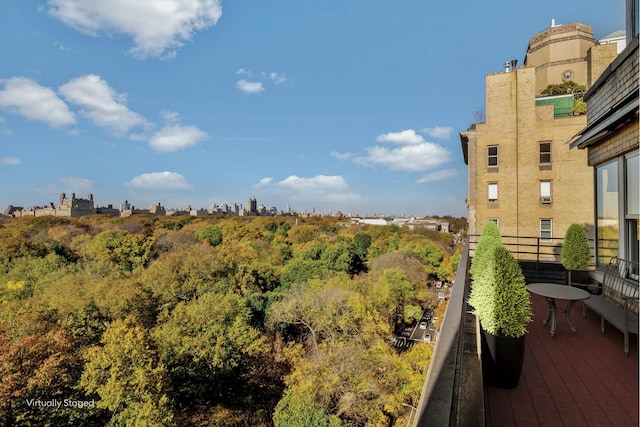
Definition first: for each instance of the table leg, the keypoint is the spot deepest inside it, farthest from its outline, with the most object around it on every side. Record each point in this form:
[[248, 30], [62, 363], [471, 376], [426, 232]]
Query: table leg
[[545, 322], [552, 304], [567, 311]]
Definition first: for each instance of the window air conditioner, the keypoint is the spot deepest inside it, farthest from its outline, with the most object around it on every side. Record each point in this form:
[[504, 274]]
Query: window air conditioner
[[545, 200]]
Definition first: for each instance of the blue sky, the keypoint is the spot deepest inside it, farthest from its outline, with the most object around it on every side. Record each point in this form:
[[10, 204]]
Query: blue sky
[[328, 105]]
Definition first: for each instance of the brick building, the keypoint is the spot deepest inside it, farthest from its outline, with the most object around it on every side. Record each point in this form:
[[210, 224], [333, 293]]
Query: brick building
[[521, 171]]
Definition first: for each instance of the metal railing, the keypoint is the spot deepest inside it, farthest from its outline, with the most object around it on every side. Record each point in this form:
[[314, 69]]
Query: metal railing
[[548, 250], [453, 393]]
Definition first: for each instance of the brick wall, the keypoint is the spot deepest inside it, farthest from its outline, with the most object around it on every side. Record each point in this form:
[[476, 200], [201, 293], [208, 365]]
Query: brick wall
[[517, 127]]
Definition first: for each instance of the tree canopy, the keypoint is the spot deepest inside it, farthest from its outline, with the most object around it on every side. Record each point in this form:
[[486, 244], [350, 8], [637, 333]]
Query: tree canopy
[[212, 321]]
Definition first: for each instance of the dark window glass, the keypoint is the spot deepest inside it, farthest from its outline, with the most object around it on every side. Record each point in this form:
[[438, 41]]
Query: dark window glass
[[492, 156], [545, 153]]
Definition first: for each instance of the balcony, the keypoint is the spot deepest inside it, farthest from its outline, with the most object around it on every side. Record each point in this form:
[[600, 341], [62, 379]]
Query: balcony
[[581, 379], [562, 104]]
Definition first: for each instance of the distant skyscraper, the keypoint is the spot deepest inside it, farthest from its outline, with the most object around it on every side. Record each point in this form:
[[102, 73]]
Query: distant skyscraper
[[252, 206]]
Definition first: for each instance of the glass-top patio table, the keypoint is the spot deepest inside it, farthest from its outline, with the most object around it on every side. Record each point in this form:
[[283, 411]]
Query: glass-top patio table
[[553, 291]]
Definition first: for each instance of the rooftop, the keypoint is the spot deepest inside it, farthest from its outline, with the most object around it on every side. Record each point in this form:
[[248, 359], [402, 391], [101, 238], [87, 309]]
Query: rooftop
[[581, 379]]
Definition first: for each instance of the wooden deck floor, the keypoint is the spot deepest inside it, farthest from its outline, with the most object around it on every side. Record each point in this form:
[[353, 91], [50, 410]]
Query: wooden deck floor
[[581, 379]]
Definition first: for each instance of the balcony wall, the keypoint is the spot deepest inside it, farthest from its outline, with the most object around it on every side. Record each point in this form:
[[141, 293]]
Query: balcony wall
[[453, 393]]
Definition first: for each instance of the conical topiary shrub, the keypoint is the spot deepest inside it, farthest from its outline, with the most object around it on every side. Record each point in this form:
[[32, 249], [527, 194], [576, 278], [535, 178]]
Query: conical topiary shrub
[[482, 264], [510, 308], [575, 255], [575, 251], [490, 231], [504, 312]]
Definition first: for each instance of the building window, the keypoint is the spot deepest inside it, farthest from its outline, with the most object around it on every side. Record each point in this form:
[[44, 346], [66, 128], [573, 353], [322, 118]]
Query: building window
[[492, 156], [632, 207], [545, 153], [494, 220], [607, 211], [493, 192], [545, 192], [546, 230]]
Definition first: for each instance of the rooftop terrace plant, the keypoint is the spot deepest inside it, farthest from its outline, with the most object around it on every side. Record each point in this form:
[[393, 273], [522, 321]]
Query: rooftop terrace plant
[[481, 263], [509, 308], [498, 293], [575, 251]]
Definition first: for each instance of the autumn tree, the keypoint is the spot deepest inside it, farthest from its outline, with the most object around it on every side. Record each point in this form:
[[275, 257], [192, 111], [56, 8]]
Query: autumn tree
[[39, 367], [126, 374], [205, 339]]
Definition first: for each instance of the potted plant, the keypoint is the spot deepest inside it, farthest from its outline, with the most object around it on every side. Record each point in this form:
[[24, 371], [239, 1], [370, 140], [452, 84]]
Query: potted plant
[[489, 238], [575, 256], [481, 266], [501, 303]]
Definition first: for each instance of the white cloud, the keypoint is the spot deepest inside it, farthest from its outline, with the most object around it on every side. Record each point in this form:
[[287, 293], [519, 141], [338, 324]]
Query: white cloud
[[317, 189], [27, 98], [170, 117], [410, 158], [176, 137], [414, 154], [10, 161], [157, 28], [341, 156], [254, 81], [249, 87], [441, 175], [438, 132], [159, 181], [263, 182], [404, 137], [101, 104], [277, 78]]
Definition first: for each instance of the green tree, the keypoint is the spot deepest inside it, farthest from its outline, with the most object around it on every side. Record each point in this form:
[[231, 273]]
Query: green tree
[[128, 377], [208, 337], [392, 292], [297, 410], [326, 310], [412, 313], [212, 234], [129, 251], [564, 88], [394, 243], [362, 240]]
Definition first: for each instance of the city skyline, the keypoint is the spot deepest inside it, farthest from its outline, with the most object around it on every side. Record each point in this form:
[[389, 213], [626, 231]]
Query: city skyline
[[352, 107], [252, 206]]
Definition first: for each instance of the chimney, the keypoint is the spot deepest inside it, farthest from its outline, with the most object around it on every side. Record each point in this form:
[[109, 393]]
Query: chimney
[[553, 22], [507, 64]]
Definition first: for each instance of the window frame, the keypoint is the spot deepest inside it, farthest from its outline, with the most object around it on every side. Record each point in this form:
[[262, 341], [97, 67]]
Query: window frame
[[492, 156], [549, 230], [546, 153], [489, 199], [550, 190]]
